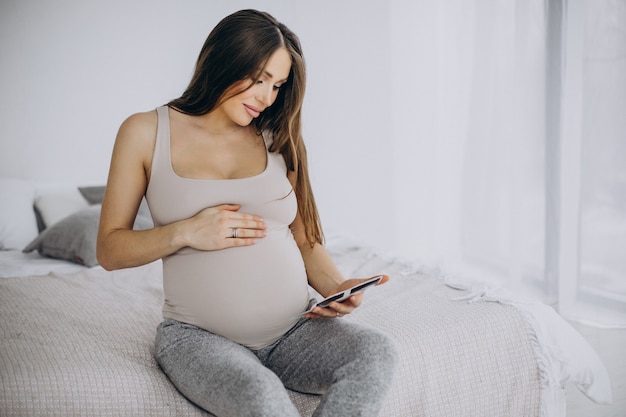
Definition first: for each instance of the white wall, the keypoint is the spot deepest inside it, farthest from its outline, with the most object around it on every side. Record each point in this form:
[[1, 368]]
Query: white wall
[[392, 93], [73, 70]]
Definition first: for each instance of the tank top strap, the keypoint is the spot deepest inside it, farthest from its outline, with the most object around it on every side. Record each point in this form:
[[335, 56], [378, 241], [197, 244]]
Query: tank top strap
[[161, 155]]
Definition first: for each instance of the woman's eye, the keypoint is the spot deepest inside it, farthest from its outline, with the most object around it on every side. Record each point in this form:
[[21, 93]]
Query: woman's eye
[[277, 87]]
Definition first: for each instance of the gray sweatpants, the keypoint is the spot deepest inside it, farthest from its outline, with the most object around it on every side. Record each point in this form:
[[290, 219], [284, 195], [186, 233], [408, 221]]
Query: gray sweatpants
[[349, 365]]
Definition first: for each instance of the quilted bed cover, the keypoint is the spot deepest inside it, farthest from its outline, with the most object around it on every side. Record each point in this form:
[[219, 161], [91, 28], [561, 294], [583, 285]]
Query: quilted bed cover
[[81, 343]]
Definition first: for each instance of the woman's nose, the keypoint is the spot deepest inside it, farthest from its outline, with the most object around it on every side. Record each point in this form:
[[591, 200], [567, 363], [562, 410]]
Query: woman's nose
[[265, 95]]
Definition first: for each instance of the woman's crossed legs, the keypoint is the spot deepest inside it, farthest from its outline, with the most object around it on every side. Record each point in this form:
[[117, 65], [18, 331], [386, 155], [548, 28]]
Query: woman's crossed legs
[[350, 365]]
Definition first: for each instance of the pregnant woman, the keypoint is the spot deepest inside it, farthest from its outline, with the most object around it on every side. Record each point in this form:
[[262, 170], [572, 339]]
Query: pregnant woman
[[224, 171]]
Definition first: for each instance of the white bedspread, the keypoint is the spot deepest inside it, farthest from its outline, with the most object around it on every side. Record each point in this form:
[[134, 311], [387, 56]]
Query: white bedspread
[[80, 343], [19, 264]]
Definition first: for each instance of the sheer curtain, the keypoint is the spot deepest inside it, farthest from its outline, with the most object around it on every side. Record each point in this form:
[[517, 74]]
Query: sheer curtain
[[510, 144], [595, 83]]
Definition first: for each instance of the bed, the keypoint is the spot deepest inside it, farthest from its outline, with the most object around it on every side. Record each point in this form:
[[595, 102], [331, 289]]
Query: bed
[[78, 340]]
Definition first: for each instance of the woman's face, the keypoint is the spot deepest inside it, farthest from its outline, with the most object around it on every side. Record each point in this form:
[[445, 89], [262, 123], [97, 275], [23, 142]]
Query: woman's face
[[242, 108]]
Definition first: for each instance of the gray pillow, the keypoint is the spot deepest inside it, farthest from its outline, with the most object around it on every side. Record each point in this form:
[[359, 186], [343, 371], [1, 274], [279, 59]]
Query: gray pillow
[[93, 194], [74, 238]]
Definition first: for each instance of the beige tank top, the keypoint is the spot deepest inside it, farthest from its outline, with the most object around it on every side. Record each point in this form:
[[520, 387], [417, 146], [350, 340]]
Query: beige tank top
[[251, 295]]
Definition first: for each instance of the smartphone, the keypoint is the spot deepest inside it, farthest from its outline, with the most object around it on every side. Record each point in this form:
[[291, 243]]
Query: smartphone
[[345, 294]]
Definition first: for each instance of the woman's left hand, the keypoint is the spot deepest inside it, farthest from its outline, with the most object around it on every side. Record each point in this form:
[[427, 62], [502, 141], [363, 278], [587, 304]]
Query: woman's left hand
[[347, 306]]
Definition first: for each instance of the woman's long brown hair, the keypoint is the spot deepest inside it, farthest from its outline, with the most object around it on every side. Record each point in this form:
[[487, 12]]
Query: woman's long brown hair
[[238, 49]]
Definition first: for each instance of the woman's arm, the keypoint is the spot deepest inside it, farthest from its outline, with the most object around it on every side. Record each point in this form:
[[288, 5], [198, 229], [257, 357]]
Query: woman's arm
[[119, 246], [322, 273]]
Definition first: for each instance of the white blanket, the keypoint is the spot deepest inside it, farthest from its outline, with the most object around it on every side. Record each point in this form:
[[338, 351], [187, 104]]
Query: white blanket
[[80, 343]]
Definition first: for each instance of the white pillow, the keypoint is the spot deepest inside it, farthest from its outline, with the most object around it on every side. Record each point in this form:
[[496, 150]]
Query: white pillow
[[56, 204], [18, 224]]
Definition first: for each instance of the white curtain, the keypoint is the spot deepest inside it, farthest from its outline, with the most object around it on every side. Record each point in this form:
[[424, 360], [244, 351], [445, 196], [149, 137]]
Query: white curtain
[[510, 140], [597, 41]]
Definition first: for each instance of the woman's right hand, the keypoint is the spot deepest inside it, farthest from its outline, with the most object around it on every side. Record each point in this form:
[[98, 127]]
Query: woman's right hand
[[214, 227]]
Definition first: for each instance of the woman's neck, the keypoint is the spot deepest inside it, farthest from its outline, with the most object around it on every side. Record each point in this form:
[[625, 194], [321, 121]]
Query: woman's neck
[[218, 124]]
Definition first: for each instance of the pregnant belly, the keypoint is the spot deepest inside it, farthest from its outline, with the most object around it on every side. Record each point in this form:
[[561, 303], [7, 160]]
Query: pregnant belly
[[251, 295]]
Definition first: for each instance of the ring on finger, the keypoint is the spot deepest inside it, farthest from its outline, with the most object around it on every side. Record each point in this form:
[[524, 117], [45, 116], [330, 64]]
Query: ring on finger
[[235, 233]]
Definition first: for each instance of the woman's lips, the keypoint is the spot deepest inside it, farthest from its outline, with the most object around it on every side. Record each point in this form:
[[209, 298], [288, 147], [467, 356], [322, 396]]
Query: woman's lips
[[252, 111]]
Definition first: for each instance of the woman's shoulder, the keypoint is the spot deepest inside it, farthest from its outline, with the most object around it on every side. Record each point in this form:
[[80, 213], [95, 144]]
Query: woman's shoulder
[[143, 123], [137, 135]]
